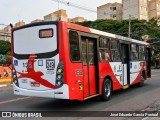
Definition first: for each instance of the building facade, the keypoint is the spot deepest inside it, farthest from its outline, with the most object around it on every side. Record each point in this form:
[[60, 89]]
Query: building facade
[[18, 24], [137, 9], [154, 9], [58, 15], [110, 11], [5, 34], [37, 20], [77, 19]]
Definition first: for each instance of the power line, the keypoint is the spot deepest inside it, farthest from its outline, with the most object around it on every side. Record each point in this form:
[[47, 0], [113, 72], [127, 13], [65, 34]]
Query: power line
[[75, 5], [5, 35], [5, 32]]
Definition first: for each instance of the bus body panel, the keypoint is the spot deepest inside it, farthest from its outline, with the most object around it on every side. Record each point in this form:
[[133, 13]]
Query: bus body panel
[[35, 61], [27, 41], [46, 93], [136, 77], [79, 80], [106, 69], [135, 69]]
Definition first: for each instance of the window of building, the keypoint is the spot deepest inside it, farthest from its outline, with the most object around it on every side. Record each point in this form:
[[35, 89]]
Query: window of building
[[114, 8], [114, 50], [141, 53], [104, 49], [74, 46], [114, 16], [146, 9], [134, 52], [111, 8]]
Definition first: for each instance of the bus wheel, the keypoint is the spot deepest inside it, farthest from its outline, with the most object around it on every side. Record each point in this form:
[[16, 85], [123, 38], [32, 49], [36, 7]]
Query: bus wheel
[[106, 90], [142, 80]]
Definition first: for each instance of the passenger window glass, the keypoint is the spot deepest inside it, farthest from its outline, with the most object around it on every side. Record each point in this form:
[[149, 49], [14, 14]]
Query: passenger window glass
[[134, 52], [84, 52], [90, 52], [104, 49], [141, 53], [115, 52], [74, 46]]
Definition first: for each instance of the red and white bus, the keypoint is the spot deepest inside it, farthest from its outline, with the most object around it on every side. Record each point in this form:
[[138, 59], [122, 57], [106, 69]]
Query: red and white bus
[[68, 61]]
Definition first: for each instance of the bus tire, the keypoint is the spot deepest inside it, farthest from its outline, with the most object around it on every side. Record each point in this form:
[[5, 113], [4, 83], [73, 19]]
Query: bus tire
[[106, 90], [141, 84]]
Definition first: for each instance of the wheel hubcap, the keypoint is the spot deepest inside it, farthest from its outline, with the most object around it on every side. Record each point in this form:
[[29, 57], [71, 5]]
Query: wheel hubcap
[[108, 89], [142, 78]]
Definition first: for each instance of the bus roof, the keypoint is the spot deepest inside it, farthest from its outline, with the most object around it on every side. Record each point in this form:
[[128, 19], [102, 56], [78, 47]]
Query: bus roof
[[98, 32], [117, 36], [90, 29]]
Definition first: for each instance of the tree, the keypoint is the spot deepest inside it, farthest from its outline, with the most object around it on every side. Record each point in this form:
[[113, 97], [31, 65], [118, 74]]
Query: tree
[[139, 29], [5, 49], [5, 46]]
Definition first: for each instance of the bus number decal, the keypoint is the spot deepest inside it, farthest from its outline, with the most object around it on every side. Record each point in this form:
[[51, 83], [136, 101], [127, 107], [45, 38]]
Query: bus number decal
[[79, 72], [50, 64]]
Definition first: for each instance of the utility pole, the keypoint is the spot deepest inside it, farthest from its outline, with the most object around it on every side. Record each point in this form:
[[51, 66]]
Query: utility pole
[[129, 29]]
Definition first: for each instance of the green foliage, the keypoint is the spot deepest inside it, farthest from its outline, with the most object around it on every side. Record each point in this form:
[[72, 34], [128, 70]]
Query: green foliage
[[8, 57], [139, 28], [5, 49], [5, 46]]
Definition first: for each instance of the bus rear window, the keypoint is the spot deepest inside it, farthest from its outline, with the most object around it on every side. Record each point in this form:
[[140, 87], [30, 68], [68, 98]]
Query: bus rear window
[[74, 46]]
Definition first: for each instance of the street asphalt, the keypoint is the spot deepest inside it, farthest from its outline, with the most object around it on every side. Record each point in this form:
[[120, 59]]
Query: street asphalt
[[146, 98]]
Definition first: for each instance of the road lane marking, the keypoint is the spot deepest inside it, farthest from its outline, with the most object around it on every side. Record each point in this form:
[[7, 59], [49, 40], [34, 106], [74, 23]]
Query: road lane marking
[[145, 118], [3, 85], [14, 100], [155, 75]]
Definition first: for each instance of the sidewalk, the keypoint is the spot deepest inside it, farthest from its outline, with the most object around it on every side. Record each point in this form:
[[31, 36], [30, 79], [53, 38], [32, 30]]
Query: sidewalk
[[5, 82]]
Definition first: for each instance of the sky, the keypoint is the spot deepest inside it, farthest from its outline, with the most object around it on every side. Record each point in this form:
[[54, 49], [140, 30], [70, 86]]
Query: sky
[[12, 11]]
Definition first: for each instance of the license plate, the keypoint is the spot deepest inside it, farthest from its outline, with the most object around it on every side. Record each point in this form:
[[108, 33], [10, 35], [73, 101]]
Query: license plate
[[35, 84]]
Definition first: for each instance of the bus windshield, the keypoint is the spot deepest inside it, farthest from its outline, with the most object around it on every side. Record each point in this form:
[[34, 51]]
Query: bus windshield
[[28, 40]]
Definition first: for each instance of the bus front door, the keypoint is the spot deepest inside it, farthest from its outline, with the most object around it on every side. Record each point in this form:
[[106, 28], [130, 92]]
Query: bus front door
[[125, 64], [88, 46]]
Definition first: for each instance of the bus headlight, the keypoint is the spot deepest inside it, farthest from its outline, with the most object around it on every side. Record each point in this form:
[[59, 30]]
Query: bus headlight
[[59, 70], [59, 83], [60, 75], [14, 76]]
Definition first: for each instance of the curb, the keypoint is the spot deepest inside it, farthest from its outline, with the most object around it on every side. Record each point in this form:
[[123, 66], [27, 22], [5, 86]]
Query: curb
[[5, 80]]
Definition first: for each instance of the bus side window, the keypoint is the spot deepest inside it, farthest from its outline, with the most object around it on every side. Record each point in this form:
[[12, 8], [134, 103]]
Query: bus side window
[[74, 46], [141, 53], [104, 49], [134, 52], [115, 52]]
